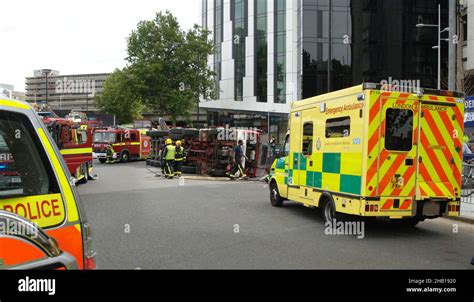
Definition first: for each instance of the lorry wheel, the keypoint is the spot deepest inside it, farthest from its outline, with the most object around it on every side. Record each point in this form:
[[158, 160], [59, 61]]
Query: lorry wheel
[[190, 133], [188, 169], [158, 133], [125, 157], [275, 198], [218, 173], [102, 160]]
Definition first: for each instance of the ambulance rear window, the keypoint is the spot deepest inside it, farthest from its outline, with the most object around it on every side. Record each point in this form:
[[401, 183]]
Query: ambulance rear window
[[24, 167], [399, 130]]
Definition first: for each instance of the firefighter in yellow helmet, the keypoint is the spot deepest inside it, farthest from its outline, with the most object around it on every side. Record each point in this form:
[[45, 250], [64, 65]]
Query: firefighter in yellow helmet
[[179, 158], [169, 156], [110, 154]]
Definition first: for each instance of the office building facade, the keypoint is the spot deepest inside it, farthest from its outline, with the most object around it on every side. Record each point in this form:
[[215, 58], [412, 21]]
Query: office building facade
[[65, 92], [269, 53]]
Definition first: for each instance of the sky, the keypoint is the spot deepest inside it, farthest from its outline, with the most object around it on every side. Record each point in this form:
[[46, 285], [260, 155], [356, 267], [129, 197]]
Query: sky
[[75, 37]]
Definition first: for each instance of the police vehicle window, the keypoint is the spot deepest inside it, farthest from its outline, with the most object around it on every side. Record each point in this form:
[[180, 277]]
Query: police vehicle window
[[307, 139], [338, 127], [24, 167], [399, 129]]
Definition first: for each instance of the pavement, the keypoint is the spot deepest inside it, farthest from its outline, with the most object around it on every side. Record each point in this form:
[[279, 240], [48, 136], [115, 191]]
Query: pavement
[[467, 212], [147, 222]]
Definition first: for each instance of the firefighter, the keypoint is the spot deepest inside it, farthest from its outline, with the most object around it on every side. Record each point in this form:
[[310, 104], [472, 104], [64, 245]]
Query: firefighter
[[179, 158], [238, 156], [110, 154], [169, 155]]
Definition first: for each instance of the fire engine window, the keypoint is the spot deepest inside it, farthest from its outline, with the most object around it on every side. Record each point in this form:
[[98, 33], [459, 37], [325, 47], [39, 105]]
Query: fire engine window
[[104, 137], [134, 137], [24, 167], [338, 127], [399, 129], [308, 139], [81, 136]]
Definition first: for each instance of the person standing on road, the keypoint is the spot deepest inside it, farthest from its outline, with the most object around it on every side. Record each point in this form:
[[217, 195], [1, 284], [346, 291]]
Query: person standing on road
[[169, 155], [238, 156], [179, 158], [110, 154]]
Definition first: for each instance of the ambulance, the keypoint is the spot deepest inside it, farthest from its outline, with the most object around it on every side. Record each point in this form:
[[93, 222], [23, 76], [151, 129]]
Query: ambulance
[[42, 222], [373, 151]]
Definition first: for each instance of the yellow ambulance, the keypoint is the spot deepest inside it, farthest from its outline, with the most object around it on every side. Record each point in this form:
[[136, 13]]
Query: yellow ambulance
[[374, 151]]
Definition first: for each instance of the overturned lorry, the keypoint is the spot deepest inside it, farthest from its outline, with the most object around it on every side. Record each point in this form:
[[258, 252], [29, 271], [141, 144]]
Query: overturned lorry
[[211, 151]]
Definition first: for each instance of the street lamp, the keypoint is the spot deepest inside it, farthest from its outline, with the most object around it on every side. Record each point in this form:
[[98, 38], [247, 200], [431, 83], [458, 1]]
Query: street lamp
[[438, 26]]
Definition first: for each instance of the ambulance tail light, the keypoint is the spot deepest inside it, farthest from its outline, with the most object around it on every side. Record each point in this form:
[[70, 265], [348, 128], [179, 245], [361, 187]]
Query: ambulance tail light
[[89, 254]]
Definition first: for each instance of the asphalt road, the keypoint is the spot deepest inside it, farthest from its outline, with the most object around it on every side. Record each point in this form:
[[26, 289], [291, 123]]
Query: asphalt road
[[141, 221]]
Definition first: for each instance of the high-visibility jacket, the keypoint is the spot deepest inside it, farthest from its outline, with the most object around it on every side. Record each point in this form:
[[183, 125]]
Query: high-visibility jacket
[[170, 152], [179, 154]]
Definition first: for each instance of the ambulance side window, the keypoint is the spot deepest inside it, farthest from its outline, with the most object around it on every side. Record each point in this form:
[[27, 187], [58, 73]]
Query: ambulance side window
[[399, 129], [286, 147], [338, 127], [308, 131], [24, 167]]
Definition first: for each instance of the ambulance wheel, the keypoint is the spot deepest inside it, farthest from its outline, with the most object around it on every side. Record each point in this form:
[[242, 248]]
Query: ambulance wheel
[[102, 160], [124, 157], [329, 212], [275, 198]]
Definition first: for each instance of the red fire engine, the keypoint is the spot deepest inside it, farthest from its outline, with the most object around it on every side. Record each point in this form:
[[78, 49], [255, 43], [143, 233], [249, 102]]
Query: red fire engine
[[75, 145], [128, 144]]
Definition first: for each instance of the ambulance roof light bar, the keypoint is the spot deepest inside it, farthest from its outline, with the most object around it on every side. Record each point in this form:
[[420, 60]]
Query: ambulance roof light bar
[[378, 86]]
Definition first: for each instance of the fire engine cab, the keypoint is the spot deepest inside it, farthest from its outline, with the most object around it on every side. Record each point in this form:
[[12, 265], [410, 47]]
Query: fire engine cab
[[75, 144], [128, 144]]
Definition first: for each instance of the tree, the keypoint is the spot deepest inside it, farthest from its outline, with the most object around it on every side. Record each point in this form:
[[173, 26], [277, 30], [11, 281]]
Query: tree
[[119, 96], [166, 73], [171, 65]]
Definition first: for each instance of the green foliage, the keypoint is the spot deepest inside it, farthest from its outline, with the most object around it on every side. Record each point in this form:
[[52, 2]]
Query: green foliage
[[167, 70], [119, 96]]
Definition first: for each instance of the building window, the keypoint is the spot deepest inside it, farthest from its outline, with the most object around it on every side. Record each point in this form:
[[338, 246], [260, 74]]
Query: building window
[[218, 37], [280, 51], [239, 18], [261, 50]]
